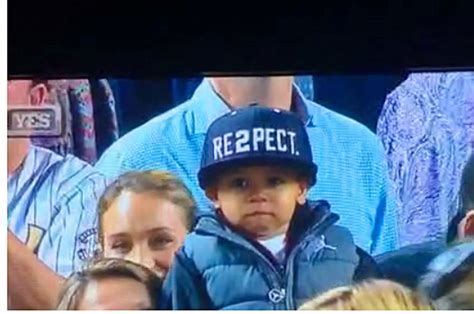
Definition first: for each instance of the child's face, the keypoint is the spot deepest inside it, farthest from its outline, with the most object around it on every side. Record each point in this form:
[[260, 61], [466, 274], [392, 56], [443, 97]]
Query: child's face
[[259, 200]]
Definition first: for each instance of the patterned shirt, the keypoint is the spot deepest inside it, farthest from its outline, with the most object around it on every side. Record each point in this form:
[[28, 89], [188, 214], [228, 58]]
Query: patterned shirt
[[352, 173], [52, 208], [427, 129]]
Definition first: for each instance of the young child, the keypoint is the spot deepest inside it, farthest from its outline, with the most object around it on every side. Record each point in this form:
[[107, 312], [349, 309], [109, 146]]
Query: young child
[[265, 246]]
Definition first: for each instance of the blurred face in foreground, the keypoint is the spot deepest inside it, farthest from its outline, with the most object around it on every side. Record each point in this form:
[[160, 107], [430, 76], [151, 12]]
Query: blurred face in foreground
[[115, 293]]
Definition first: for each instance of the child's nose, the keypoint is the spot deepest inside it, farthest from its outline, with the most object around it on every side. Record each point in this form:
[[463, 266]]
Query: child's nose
[[258, 195]]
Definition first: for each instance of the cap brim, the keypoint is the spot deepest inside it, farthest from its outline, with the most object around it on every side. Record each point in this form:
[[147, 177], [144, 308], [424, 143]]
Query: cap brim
[[208, 174]]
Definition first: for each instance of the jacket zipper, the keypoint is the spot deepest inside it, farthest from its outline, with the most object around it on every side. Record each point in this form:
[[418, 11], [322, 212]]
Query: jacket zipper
[[276, 273], [283, 272]]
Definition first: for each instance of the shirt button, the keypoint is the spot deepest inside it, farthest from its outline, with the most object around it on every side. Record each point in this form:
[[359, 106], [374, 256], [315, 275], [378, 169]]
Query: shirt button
[[276, 295]]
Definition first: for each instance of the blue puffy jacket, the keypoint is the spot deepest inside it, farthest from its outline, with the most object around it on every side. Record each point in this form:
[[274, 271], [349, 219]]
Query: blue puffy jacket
[[217, 268]]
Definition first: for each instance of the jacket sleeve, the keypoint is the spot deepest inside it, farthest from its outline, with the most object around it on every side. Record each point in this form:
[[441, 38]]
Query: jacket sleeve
[[367, 268], [184, 288]]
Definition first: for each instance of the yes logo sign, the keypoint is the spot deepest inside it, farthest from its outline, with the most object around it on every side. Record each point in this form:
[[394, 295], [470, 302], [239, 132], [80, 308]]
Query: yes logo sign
[[28, 121]]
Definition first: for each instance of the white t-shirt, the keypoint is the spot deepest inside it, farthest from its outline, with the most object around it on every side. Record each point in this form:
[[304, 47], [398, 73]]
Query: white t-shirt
[[276, 246]]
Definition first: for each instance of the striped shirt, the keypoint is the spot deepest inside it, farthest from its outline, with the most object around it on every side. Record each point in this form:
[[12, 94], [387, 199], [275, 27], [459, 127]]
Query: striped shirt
[[52, 208], [352, 173]]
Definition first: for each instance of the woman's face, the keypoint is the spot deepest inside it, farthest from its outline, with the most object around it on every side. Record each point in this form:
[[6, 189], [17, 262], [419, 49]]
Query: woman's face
[[115, 294], [144, 228]]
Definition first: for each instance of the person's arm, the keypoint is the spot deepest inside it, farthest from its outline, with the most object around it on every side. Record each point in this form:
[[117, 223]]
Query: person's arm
[[34, 281], [385, 235], [31, 284], [72, 238], [183, 288]]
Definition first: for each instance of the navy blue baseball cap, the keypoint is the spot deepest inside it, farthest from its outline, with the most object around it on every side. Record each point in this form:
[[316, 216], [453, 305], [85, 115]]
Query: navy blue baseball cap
[[256, 135]]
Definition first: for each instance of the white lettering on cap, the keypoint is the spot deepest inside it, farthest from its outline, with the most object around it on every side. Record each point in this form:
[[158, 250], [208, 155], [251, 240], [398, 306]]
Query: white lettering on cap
[[258, 136], [269, 139], [242, 144], [266, 139], [217, 143], [292, 136], [280, 137], [227, 144]]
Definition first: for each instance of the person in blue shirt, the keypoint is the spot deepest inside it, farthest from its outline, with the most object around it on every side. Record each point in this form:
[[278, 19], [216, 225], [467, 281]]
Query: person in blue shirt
[[353, 176], [266, 246]]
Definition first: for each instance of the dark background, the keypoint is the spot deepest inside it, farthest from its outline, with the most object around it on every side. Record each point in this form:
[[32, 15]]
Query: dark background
[[356, 54], [134, 40]]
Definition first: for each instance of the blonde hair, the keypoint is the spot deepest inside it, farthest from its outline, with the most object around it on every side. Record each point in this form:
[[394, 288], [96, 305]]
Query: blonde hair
[[74, 287], [369, 295], [162, 183]]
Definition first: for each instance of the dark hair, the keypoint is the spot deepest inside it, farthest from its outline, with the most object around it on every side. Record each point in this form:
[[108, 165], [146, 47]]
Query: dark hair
[[161, 183], [449, 281], [466, 198], [73, 289]]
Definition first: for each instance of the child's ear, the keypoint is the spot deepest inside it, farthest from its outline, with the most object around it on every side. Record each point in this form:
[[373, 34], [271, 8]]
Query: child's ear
[[303, 192], [211, 193]]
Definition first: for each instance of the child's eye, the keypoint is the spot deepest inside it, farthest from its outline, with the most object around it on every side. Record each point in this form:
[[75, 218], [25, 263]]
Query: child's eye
[[275, 181], [239, 183]]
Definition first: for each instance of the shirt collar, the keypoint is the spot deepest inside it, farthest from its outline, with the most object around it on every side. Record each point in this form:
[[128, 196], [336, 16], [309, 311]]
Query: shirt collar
[[210, 106]]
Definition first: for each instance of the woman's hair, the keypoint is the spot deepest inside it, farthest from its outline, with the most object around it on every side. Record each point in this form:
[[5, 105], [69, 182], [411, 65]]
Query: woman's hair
[[161, 183], [376, 294], [73, 289]]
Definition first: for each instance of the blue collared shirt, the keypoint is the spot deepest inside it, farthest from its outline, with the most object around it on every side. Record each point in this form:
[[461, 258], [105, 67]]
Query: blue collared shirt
[[352, 171]]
